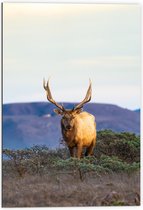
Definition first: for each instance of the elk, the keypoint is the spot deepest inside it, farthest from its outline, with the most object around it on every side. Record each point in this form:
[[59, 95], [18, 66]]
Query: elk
[[78, 127]]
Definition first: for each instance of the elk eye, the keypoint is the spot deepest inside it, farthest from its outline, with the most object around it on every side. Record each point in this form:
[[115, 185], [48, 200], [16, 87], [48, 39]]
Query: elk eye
[[68, 127]]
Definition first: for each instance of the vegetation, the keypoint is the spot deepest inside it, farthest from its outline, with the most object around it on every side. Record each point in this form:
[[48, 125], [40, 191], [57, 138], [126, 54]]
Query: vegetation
[[115, 154], [125, 146]]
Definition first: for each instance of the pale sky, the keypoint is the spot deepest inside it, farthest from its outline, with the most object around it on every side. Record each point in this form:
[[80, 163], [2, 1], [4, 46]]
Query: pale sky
[[71, 43]]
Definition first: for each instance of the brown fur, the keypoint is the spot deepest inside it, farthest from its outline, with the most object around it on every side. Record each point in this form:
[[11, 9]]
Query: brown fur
[[81, 132]]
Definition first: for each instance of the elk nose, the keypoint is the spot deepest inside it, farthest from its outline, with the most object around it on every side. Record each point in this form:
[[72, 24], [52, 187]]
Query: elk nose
[[68, 127]]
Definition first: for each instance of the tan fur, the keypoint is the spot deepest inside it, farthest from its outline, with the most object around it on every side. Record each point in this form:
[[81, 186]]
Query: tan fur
[[83, 134], [78, 128]]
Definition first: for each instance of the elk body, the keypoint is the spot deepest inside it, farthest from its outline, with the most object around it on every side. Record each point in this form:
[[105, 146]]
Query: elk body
[[78, 127]]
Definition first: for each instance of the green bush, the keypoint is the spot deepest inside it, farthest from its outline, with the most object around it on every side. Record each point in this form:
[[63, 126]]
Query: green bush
[[115, 164], [85, 164], [125, 146], [114, 152], [104, 164]]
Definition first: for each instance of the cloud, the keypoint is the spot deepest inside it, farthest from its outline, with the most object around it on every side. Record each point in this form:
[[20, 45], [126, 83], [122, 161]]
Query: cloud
[[108, 60]]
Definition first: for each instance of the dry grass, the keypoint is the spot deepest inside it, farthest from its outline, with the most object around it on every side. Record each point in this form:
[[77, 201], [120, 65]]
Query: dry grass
[[56, 189]]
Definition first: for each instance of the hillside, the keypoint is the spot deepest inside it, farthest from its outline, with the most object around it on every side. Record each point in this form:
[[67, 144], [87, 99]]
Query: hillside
[[39, 177], [25, 124]]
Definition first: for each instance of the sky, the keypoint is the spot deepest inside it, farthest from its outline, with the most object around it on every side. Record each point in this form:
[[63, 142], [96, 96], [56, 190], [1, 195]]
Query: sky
[[71, 43]]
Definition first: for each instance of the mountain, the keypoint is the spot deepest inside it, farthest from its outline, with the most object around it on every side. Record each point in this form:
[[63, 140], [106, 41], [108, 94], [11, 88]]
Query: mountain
[[26, 124], [137, 110]]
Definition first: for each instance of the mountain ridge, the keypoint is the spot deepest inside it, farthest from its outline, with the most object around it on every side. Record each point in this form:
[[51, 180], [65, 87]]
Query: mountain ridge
[[25, 124], [66, 104]]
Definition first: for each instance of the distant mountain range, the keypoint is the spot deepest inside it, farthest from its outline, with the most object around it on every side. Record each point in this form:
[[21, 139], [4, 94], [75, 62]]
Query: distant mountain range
[[28, 124], [137, 110]]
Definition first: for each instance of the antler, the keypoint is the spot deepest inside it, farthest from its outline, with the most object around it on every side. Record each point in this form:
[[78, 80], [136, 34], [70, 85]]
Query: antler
[[87, 97], [49, 95]]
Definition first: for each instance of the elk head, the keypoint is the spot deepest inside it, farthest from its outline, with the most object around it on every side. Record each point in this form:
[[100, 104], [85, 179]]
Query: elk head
[[68, 114]]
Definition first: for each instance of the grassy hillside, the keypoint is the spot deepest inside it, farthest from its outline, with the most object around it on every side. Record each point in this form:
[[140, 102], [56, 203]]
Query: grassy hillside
[[38, 176]]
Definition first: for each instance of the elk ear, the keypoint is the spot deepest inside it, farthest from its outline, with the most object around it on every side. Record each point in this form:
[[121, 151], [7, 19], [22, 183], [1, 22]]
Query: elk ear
[[58, 111], [78, 111]]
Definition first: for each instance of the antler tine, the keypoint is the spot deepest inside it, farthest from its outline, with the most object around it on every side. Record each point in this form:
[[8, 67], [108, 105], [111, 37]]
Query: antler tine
[[49, 95], [87, 97]]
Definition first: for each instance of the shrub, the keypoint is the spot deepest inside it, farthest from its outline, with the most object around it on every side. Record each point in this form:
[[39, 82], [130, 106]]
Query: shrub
[[126, 146], [18, 160], [115, 164], [114, 152]]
